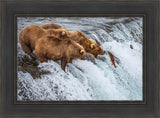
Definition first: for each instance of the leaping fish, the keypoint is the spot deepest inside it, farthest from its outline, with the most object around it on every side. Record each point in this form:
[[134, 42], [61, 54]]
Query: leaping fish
[[112, 59]]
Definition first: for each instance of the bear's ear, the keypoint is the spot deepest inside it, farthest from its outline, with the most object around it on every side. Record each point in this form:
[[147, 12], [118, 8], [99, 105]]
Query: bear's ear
[[92, 46], [81, 51], [63, 33], [91, 39]]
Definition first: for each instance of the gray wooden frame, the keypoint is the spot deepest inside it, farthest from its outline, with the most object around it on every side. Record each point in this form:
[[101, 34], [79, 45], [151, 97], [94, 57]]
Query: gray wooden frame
[[149, 107]]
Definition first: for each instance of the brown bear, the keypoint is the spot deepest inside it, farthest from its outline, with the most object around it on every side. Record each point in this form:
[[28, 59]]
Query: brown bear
[[29, 35], [89, 45], [55, 49]]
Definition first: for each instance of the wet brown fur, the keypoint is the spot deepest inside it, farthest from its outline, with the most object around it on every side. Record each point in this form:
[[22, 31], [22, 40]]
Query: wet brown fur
[[79, 37], [52, 26], [54, 49], [29, 35]]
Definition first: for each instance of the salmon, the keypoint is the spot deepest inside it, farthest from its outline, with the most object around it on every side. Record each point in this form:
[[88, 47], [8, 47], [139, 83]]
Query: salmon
[[112, 59]]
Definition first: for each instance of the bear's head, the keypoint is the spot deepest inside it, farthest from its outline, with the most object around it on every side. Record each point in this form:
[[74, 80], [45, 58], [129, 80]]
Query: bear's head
[[94, 48], [90, 46], [76, 50]]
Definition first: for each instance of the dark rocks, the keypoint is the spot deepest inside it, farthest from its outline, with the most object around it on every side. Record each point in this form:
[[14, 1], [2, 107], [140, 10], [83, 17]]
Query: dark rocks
[[28, 65]]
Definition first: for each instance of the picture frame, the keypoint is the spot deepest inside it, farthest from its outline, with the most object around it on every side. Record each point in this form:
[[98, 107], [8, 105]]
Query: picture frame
[[149, 107]]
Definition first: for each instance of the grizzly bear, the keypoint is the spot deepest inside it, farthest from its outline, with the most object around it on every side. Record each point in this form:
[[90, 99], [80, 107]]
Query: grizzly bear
[[29, 35], [55, 49], [89, 45]]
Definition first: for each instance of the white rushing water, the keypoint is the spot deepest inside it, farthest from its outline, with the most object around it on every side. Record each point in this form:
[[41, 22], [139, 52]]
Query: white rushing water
[[86, 79]]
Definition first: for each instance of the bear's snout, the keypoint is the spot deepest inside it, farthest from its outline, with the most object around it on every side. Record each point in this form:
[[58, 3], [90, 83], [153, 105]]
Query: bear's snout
[[103, 52]]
